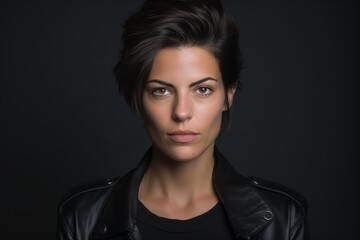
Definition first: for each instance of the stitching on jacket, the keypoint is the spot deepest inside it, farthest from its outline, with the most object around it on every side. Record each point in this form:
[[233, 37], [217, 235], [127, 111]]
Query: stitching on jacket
[[302, 217], [285, 194], [66, 200], [79, 193]]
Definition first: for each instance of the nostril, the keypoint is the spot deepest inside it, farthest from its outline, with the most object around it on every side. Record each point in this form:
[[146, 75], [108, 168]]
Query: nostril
[[181, 116], [182, 110]]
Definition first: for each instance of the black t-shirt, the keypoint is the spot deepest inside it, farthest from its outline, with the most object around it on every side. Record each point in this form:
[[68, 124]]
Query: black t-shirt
[[211, 225]]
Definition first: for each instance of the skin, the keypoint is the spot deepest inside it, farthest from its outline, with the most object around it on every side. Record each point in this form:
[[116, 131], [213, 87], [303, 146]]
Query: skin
[[184, 91]]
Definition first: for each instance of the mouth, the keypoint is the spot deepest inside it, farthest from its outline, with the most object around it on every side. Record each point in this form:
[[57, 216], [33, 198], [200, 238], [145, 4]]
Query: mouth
[[183, 136]]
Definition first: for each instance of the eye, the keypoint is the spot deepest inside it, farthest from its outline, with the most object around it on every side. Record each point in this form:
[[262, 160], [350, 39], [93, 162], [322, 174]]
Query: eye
[[204, 90], [160, 91]]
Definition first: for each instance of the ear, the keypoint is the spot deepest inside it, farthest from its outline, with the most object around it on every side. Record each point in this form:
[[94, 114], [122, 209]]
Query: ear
[[230, 96]]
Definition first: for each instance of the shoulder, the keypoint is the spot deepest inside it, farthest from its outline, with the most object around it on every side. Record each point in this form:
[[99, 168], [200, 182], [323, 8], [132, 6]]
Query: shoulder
[[286, 193], [81, 208], [85, 192], [84, 202], [284, 201], [91, 194]]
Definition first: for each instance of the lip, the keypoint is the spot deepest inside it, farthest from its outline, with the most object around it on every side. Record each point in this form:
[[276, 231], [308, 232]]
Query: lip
[[183, 136]]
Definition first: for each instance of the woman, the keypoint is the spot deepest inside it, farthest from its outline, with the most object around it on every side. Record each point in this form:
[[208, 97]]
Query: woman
[[179, 71]]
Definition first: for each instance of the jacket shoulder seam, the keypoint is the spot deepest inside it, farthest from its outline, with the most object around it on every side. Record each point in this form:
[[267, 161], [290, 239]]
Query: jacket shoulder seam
[[278, 188], [85, 188]]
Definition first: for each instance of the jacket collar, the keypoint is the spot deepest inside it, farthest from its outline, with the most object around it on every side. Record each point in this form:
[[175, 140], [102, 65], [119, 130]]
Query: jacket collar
[[244, 207]]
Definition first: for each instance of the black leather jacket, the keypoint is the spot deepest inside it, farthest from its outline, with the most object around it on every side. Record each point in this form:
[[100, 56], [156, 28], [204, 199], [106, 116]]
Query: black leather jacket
[[256, 209]]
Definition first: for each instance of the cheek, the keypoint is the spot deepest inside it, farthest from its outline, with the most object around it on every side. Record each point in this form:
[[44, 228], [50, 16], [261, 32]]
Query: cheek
[[154, 117], [211, 115]]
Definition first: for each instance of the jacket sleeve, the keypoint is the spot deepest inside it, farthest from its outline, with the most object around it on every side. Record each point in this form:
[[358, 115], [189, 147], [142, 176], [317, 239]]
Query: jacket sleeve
[[63, 232], [300, 230]]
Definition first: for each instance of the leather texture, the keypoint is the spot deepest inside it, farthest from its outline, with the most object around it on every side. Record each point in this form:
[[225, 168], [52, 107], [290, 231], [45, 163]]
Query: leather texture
[[256, 209]]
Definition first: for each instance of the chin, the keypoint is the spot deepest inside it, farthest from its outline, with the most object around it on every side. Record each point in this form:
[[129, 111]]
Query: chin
[[183, 152]]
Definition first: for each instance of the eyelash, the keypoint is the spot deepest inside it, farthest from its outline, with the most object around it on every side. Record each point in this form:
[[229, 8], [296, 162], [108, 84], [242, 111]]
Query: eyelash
[[156, 91], [208, 91]]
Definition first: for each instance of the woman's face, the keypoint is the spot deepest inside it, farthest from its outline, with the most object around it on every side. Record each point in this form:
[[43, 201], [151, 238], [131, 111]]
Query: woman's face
[[183, 102]]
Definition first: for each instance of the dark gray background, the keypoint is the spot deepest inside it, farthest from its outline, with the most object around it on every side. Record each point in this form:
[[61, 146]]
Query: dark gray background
[[63, 122]]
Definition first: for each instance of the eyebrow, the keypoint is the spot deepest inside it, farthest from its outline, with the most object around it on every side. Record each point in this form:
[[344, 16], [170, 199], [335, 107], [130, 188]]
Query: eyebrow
[[191, 85]]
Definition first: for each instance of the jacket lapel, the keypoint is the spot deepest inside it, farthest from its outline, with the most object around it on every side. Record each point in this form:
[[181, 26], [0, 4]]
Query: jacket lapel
[[245, 208], [243, 205], [119, 212]]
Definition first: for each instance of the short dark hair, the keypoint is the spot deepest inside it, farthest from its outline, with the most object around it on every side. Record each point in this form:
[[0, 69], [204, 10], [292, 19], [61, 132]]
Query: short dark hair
[[172, 23]]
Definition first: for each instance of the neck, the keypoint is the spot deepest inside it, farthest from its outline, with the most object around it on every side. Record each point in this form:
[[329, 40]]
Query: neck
[[181, 182]]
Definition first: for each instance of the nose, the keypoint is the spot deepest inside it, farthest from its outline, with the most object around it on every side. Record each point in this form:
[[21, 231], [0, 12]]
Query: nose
[[182, 110]]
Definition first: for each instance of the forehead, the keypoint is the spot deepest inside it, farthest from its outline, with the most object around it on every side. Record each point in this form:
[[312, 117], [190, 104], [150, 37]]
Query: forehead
[[184, 63]]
